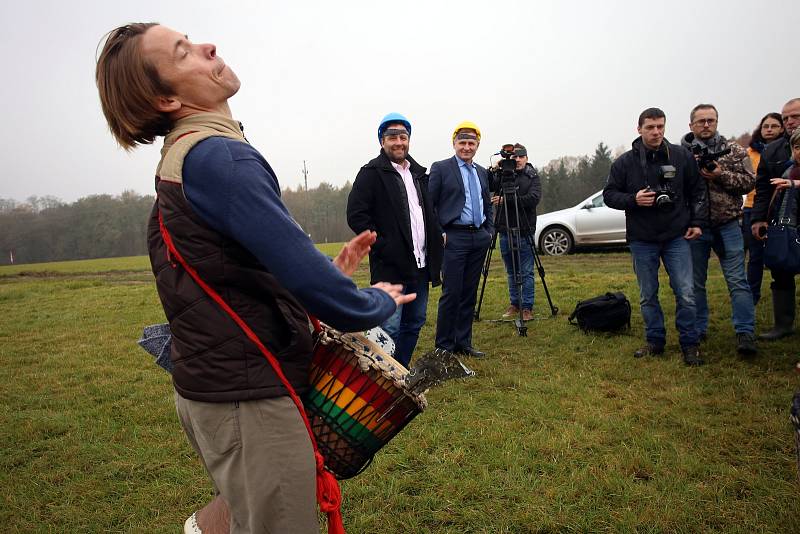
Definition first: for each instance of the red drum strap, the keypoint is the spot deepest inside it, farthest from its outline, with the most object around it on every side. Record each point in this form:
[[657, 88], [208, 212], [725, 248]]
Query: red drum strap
[[329, 495]]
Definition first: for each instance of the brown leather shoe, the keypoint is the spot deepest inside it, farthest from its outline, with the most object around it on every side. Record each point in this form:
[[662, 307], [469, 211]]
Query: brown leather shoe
[[527, 315], [511, 312]]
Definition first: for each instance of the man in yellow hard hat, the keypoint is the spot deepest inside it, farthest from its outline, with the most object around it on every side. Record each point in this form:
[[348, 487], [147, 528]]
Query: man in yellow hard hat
[[459, 190]]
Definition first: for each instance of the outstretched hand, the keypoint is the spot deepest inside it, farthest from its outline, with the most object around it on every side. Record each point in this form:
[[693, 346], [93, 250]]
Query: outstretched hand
[[354, 251], [396, 292]]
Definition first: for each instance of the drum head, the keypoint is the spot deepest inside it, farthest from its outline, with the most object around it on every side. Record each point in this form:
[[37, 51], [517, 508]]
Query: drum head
[[381, 340]]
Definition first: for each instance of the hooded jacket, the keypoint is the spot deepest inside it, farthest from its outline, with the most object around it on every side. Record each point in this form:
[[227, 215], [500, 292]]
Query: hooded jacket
[[639, 168]]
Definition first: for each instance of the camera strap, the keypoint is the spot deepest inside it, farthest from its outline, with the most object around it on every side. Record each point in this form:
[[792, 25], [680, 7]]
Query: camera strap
[[643, 159]]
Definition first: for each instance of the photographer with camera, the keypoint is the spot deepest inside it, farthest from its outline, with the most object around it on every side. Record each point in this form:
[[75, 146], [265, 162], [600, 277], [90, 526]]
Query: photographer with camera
[[525, 181], [658, 185], [728, 174]]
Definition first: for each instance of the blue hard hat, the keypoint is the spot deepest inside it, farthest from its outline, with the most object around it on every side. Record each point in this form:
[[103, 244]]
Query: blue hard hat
[[392, 118]]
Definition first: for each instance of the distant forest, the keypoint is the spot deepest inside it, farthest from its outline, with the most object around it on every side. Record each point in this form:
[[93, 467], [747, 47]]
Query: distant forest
[[99, 226]]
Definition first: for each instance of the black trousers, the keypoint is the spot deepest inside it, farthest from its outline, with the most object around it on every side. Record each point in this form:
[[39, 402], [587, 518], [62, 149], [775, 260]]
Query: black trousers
[[464, 254], [782, 280]]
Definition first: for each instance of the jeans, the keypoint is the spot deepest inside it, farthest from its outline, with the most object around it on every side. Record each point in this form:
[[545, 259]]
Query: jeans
[[726, 241], [676, 256], [755, 263], [524, 261], [406, 322]]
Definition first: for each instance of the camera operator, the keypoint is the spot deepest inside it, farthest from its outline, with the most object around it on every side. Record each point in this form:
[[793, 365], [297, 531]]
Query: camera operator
[[528, 188], [728, 174], [775, 160], [658, 185]]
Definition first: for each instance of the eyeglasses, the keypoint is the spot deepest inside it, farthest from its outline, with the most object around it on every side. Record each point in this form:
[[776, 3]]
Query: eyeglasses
[[705, 122]]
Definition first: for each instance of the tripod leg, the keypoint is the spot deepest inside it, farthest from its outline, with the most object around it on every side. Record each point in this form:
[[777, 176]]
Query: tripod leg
[[486, 265], [514, 245], [540, 269]]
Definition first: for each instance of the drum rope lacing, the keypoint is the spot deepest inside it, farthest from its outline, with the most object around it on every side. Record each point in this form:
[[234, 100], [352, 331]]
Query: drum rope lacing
[[329, 495]]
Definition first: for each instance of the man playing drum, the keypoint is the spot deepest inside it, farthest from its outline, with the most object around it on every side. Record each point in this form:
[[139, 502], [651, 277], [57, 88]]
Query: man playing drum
[[219, 222]]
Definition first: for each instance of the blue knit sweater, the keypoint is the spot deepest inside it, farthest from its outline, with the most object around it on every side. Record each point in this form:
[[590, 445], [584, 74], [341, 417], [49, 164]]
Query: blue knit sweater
[[234, 190]]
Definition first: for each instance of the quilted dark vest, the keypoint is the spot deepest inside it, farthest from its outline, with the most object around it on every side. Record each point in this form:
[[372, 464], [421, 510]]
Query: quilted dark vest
[[213, 359]]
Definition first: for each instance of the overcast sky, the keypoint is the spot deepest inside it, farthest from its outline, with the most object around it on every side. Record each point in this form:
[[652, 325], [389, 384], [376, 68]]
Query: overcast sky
[[317, 77]]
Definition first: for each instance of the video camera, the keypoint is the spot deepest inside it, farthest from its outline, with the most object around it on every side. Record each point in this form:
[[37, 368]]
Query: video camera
[[706, 159], [665, 193], [507, 165]]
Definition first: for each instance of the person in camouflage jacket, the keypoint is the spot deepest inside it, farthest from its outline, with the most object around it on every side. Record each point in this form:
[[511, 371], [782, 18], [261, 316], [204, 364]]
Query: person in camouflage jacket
[[728, 178]]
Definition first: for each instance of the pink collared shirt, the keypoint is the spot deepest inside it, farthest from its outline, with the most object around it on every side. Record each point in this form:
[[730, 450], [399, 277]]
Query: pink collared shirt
[[414, 211]]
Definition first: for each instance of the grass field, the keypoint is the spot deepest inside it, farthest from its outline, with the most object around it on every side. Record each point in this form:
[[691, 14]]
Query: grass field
[[559, 432]]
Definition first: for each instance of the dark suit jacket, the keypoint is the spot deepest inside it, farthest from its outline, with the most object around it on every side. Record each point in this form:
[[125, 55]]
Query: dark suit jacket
[[447, 192], [378, 201]]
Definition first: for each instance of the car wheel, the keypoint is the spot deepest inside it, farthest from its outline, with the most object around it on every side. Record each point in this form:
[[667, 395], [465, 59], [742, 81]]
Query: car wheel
[[556, 242]]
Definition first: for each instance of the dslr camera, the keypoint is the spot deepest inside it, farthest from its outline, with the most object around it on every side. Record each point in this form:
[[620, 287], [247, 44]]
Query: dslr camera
[[706, 159], [664, 190]]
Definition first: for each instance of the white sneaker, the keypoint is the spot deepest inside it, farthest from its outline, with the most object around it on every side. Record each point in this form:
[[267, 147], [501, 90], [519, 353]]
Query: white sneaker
[[190, 526]]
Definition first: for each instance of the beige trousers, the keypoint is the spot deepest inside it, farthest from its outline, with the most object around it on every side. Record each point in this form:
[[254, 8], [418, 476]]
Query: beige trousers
[[260, 459]]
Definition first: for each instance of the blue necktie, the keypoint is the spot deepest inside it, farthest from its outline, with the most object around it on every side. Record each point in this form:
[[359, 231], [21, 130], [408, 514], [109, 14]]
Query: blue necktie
[[474, 195]]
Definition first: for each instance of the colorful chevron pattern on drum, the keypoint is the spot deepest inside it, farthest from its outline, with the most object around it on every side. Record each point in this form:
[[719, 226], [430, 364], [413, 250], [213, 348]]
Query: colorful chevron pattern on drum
[[353, 412]]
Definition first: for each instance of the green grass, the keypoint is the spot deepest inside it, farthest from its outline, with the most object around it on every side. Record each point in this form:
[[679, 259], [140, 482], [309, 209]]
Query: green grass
[[559, 432], [101, 265]]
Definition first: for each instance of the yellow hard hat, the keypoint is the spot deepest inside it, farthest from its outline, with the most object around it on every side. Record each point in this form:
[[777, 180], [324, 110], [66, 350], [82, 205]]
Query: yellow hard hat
[[467, 125]]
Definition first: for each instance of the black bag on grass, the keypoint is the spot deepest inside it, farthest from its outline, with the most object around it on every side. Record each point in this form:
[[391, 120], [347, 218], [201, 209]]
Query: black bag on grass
[[605, 313]]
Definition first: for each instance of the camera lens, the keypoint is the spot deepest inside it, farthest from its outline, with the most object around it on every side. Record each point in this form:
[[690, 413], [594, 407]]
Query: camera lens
[[664, 202]]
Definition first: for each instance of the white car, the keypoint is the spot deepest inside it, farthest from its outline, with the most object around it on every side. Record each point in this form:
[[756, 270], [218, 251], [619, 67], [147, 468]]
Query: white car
[[589, 223]]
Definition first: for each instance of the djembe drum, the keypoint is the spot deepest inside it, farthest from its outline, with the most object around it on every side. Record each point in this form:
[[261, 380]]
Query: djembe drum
[[357, 401]]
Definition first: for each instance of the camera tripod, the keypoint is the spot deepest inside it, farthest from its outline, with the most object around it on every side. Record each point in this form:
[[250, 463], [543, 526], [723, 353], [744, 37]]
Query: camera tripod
[[508, 193]]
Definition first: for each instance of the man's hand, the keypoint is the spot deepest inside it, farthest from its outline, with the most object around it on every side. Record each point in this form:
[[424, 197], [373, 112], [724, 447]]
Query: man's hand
[[354, 251], [759, 230], [645, 197], [396, 292], [693, 232], [711, 175], [497, 200]]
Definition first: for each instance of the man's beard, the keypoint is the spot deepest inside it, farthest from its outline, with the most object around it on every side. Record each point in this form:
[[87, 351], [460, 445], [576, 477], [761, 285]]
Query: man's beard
[[394, 159]]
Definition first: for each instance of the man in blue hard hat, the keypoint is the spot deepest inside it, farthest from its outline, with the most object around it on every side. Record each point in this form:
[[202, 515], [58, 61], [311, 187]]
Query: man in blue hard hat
[[390, 197]]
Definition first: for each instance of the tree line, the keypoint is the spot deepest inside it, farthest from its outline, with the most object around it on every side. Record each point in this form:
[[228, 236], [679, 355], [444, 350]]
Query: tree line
[[44, 229]]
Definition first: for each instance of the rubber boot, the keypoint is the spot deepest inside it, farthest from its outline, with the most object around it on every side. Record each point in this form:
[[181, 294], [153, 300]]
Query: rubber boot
[[783, 309]]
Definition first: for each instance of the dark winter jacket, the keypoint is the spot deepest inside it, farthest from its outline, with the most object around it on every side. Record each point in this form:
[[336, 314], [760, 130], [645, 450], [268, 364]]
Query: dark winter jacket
[[528, 192], [378, 202], [775, 159], [639, 168]]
